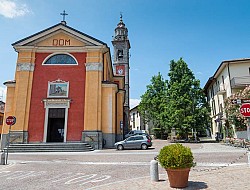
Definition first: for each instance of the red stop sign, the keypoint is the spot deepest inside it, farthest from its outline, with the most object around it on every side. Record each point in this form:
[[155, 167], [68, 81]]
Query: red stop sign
[[10, 120], [245, 110]]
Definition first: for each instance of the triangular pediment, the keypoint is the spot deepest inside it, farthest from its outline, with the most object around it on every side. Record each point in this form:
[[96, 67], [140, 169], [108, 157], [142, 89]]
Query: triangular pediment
[[59, 35], [60, 38]]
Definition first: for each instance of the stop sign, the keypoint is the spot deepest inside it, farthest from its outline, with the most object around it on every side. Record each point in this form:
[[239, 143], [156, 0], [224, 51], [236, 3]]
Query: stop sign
[[10, 120], [245, 110]]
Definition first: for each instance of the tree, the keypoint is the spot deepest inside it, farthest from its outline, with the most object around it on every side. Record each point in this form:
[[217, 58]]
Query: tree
[[177, 103], [153, 103], [234, 117], [187, 106]]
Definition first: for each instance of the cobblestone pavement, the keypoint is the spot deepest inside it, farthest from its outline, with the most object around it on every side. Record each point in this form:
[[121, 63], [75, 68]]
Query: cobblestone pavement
[[231, 173], [231, 178], [218, 167]]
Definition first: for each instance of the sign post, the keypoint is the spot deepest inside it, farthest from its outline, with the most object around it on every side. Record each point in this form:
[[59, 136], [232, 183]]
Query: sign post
[[10, 120], [245, 111]]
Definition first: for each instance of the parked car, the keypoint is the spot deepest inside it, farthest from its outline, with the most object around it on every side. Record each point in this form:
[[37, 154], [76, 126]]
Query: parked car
[[134, 142], [136, 132]]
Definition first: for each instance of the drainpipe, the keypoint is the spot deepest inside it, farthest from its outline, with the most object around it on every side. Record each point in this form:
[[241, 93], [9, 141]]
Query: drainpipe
[[228, 71]]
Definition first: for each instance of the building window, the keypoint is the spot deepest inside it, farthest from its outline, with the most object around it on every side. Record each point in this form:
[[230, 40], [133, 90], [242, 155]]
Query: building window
[[61, 59], [220, 108], [120, 53], [212, 92], [213, 107], [58, 89]]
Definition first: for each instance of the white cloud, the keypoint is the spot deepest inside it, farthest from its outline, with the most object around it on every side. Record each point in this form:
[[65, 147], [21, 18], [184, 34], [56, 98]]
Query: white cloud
[[3, 91], [134, 102], [12, 9], [199, 73]]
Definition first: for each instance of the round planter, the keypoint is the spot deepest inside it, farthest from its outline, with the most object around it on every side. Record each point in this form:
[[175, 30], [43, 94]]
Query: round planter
[[178, 178]]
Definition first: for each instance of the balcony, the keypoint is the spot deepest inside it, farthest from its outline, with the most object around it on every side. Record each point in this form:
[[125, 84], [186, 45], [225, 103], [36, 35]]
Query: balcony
[[239, 82], [220, 89]]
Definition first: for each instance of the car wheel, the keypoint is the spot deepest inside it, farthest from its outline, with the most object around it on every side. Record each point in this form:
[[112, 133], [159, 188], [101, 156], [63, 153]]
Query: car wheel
[[119, 147], [144, 146]]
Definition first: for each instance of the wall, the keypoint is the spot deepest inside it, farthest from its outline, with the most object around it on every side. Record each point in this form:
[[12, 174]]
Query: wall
[[75, 74]]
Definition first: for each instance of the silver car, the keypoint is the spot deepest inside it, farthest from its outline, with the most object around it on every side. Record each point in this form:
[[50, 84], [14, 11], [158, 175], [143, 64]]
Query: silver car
[[136, 132], [138, 141]]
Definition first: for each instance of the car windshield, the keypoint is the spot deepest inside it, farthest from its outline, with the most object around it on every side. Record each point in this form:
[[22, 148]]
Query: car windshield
[[130, 139]]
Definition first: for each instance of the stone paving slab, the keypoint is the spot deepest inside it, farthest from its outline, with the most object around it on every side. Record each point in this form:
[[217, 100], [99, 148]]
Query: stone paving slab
[[233, 178]]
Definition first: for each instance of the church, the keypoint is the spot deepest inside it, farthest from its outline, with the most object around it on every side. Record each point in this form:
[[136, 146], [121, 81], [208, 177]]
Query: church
[[66, 88]]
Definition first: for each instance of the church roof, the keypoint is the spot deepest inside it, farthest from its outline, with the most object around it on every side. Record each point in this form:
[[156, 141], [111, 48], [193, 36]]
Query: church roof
[[57, 27]]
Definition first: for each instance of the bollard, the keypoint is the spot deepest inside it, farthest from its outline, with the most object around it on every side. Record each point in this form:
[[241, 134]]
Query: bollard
[[2, 158], [154, 174]]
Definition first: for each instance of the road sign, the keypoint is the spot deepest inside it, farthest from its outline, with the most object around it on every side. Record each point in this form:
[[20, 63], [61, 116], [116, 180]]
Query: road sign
[[10, 120], [240, 101], [236, 101], [245, 110], [243, 101]]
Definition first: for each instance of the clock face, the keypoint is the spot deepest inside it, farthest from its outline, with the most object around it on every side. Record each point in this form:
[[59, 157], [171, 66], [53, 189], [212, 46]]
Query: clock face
[[120, 69]]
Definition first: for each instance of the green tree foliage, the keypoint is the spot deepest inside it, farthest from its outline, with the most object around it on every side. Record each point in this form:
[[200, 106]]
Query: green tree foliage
[[187, 106], [177, 103], [153, 103]]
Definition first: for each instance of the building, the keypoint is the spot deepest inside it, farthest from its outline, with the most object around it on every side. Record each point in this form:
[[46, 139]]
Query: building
[[121, 55], [2, 106], [137, 122], [65, 90], [231, 76]]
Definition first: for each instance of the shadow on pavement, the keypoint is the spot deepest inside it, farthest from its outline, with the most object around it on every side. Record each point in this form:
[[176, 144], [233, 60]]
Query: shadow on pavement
[[196, 185]]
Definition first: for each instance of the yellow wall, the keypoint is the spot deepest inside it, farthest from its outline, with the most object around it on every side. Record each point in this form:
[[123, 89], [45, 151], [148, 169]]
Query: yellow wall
[[109, 108], [18, 97], [8, 107], [23, 91], [120, 102], [92, 111]]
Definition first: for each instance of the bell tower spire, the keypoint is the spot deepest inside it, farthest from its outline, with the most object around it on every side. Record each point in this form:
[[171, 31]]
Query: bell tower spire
[[121, 64]]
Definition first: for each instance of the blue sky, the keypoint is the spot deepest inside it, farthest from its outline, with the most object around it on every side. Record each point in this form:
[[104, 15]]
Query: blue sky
[[202, 32]]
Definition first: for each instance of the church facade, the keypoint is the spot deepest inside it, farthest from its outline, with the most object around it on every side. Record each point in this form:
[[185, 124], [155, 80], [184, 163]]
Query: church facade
[[65, 90]]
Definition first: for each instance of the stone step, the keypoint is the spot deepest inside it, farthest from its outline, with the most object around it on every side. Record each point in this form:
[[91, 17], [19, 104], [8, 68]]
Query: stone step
[[50, 147]]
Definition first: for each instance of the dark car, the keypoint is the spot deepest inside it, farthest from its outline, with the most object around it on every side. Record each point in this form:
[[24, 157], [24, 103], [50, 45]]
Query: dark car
[[134, 142]]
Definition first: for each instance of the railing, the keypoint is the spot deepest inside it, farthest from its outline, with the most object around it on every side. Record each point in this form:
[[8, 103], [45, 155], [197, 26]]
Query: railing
[[240, 81], [220, 89]]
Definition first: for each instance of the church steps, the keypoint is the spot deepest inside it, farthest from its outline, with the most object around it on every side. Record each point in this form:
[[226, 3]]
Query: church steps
[[51, 147]]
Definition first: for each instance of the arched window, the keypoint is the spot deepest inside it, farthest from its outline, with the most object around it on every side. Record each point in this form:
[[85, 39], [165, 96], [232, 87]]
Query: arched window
[[61, 59]]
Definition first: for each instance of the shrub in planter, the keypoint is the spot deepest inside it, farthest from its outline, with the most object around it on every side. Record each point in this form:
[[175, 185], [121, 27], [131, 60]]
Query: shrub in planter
[[178, 159]]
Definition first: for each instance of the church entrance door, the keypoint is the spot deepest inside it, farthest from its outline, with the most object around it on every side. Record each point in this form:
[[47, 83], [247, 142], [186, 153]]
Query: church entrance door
[[56, 122]]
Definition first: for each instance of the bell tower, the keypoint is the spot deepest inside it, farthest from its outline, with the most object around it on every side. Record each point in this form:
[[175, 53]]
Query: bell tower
[[121, 64]]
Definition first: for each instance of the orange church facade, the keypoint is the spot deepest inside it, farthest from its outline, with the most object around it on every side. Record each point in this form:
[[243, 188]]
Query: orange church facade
[[64, 90]]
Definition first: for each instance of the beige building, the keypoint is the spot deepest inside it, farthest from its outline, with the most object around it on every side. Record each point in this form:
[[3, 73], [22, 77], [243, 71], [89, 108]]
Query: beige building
[[231, 76], [137, 122]]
